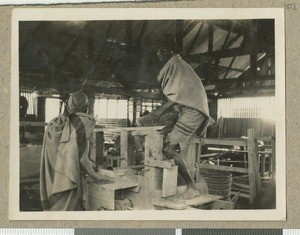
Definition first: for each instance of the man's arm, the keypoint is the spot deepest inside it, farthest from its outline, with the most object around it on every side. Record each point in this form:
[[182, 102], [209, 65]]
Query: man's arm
[[160, 110], [86, 166]]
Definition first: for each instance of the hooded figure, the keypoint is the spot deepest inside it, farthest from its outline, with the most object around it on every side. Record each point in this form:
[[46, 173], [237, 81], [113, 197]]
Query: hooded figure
[[65, 153], [184, 92]]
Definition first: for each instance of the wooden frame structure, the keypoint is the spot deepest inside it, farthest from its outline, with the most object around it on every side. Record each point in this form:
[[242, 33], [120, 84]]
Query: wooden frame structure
[[253, 185], [156, 184]]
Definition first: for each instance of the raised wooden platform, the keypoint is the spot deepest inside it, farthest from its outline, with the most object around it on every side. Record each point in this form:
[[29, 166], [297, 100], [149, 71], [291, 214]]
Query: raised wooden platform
[[179, 204]]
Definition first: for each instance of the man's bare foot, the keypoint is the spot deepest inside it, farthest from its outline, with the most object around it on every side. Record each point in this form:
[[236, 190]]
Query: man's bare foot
[[190, 194]]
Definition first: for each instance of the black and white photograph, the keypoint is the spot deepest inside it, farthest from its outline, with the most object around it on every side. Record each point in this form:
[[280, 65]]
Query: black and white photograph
[[147, 114]]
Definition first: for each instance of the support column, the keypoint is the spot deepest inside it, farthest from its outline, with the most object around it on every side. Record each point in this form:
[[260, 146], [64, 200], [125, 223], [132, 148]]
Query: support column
[[254, 177]]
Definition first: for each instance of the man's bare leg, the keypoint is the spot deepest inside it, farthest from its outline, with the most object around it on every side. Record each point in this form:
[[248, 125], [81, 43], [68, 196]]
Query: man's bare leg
[[192, 191]]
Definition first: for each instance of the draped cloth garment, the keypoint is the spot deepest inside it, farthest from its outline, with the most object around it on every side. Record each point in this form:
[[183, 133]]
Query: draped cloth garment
[[66, 140], [181, 84]]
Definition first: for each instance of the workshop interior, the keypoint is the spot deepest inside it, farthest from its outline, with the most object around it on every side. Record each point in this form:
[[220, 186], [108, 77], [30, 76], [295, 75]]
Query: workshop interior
[[115, 64]]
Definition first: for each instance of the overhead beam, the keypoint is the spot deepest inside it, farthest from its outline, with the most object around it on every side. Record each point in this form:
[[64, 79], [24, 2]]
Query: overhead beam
[[190, 27], [210, 36], [143, 30], [195, 39], [249, 78], [209, 56], [128, 34], [106, 90], [179, 36], [249, 93], [148, 95], [229, 67]]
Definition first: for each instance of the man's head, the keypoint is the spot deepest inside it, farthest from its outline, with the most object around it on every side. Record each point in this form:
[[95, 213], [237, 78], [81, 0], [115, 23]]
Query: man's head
[[77, 102], [167, 48]]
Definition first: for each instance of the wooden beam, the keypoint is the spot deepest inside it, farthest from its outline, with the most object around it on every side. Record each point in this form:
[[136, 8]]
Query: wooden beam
[[108, 29], [159, 164], [106, 90], [233, 69], [222, 54], [229, 67], [227, 36], [190, 27], [143, 30], [191, 46], [210, 37], [179, 36], [128, 34], [258, 78], [129, 129], [223, 168], [225, 141], [148, 95], [241, 89]]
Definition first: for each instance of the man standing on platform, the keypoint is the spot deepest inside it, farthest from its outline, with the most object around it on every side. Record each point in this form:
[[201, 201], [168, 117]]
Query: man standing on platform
[[186, 93]]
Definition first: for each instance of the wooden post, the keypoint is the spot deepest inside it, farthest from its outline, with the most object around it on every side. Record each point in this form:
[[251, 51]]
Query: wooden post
[[99, 149], [273, 162], [41, 109], [127, 149], [251, 170], [198, 178], [153, 175], [254, 177]]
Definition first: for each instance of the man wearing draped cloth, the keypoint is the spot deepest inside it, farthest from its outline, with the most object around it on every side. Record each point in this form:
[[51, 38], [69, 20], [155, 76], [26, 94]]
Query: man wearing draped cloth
[[186, 93], [65, 155]]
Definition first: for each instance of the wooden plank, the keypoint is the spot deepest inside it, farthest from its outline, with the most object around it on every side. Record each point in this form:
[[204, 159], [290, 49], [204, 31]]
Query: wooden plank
[[119, 129], [169, 182], [129, 167], [232, 142], [171, 205], [99, 198], [159, 164], [223, 168], [223, 205], [122, 172], [200, 200], [120, 183], [241, 190], [244, 186], [39, 124], [241, 194]]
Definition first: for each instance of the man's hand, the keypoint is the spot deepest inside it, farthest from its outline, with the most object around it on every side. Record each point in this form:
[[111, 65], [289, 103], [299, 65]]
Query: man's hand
[[103, 180]]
